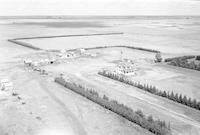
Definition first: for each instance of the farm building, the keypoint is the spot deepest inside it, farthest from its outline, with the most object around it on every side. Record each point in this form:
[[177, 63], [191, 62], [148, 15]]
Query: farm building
[[52, 61], [66, 55], [63, 51], [126, 68], [28, 62], [80, 51], [5, 84], [35, 64]]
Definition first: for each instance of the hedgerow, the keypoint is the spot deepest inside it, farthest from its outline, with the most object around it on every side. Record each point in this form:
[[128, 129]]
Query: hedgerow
[[179, 98], [182, 58], [157, 127]]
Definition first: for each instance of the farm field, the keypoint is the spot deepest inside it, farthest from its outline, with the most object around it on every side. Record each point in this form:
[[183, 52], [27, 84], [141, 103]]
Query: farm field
[[77, 42], [164, 35], [168, 78], [43, 106]]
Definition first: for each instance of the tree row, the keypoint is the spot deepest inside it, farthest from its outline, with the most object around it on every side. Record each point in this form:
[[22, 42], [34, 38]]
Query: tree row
[[179, 98], [157, 127]]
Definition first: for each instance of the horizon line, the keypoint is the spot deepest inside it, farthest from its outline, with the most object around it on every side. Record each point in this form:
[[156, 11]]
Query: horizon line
[[63, 16]]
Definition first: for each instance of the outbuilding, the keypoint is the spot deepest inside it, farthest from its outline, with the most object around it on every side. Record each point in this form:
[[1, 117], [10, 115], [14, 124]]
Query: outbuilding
[[8, 86], [5, 84], [80, 51], [28, 62]]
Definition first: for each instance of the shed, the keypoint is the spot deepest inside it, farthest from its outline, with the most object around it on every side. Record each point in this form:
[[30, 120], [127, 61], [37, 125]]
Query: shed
[[80, 51], [28, 62], [63, 51], [4, 81], [46, 61], [7, 86], [35, 64], [52, 60]]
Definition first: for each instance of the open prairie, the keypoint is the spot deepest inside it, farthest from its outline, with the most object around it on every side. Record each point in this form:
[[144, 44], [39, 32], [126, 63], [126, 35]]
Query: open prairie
[[43, 106], [172, 36]]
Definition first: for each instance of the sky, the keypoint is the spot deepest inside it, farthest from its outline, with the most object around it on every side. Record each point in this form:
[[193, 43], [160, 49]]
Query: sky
[[99, 7]]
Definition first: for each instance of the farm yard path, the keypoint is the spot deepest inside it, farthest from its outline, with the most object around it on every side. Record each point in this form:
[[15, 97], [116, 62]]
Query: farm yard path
[[74, 122], [149, 103]]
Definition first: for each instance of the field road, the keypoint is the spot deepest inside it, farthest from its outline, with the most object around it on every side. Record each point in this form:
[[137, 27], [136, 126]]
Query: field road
[[74, 122], [165, 110]]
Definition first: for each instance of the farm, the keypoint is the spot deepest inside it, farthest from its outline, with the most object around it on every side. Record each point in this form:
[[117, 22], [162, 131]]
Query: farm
[[107, 58], [135, 97]]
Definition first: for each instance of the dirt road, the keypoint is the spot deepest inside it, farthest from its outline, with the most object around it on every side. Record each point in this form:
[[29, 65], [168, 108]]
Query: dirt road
[[74, 122], [177, 114]]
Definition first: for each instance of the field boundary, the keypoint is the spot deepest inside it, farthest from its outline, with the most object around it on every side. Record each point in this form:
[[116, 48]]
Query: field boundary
[[74, 35], [22, 43]]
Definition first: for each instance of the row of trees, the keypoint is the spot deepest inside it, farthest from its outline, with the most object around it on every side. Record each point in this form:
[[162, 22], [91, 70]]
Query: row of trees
[[185, 64], [143, 49], [125, 46], [23, 44], [198, 57], [157, 127], [182, 58], [179, 98]]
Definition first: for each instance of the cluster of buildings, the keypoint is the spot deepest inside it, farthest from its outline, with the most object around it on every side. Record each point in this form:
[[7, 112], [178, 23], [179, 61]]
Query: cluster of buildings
[[63, 54], [41, 62], [56, 58]]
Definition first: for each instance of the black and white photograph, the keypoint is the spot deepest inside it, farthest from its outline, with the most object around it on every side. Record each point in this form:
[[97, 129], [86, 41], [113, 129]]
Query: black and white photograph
[[99, 67]]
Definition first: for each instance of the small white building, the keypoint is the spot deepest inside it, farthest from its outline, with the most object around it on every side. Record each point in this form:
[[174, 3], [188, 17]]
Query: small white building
[[63, 51], [64, 57], [8, 86], [28, 62], [46, 61], [42, 62], [35, 64], [52, 61], [4, 81], [93, 54], [72, 54], [60, 54], [5, 84], [80, 51]]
